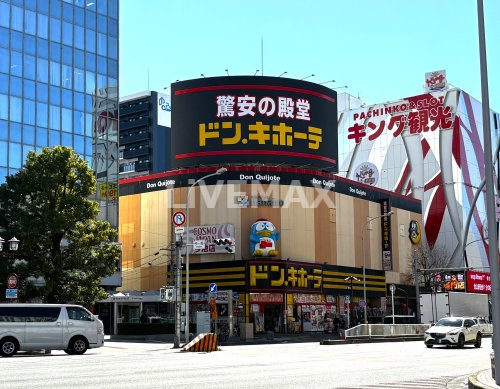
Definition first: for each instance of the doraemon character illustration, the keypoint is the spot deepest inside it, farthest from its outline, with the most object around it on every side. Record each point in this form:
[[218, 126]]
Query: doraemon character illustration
[[263, 239]]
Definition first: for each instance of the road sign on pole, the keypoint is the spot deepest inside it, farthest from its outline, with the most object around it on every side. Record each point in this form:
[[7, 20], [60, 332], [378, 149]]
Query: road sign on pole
[[212, 288], [179, 218]]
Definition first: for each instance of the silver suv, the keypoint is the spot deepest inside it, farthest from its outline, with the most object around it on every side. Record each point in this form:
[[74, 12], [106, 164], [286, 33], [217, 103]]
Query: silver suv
[[453, 331]]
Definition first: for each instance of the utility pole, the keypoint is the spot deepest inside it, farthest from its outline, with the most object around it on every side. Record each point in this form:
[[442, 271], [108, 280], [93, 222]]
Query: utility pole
[[178, 288]]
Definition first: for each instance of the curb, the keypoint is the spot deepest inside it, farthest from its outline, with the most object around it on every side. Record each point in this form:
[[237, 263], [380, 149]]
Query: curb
[[476, 378]]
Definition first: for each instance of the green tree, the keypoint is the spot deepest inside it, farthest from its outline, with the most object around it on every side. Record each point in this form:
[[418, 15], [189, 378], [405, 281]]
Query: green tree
[[64, 249]]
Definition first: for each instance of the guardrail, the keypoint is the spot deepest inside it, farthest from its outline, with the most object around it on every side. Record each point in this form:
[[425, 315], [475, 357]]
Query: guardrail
[[377, 331]]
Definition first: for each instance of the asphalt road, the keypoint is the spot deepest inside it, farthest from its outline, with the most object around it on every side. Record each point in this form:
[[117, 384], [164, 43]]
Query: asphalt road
[[287, 365]]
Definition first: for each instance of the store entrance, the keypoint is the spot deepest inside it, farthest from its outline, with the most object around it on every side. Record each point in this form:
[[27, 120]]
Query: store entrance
[[272, 318]]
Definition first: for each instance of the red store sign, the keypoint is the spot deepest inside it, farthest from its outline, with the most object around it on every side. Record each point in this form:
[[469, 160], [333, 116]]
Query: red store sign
[[478, 282]]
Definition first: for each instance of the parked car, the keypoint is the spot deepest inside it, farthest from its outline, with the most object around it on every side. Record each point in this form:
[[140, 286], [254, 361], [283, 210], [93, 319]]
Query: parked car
[[485, 327], [454, 331], [29, 327]]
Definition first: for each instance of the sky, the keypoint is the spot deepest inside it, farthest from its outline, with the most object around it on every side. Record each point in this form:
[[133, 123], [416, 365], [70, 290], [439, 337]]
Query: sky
[[380, 50]]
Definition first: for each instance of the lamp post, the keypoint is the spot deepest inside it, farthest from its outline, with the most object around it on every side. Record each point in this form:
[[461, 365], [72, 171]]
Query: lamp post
[[217, 173], [13, 244], [350, 279], [388, 214]]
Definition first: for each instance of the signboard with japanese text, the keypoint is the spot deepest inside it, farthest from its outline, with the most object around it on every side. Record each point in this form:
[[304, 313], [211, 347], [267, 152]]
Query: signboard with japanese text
[[164, 110], [478, 282], [207, 233], [385, 223], [245, 119], [284, 276], [420, 144], [435, 81]]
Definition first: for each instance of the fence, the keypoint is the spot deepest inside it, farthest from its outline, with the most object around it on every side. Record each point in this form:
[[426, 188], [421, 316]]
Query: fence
[[373, 331]]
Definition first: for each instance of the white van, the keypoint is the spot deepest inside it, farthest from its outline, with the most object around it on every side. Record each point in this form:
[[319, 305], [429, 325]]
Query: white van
[[29, 327]]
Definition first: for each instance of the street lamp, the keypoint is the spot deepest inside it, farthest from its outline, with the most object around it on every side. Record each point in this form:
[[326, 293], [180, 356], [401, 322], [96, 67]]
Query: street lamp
[[350, 279], [388, 214], [217, 173], [13, 244]]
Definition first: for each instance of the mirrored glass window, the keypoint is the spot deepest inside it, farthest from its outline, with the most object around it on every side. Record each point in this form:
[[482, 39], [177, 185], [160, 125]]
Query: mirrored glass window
[[55, 8], [79, 144], [42, 115], [79, 16], [67, 139], [42, 92], [55, 73], [30, 22], [4, 60], [15, 132], [90, 19], [55, 51], [67, 13], [4, 83], [54, 138], [16, 63], [29, 89], [4, 37], [67, 33], [16, 110], [3, 157], [79, 37], [43, 26], [67, 98], [29, 135], [42, 73], [55, 117], [67, 120], [15, 155], [16, 86], [16, 40], [43, 48], [78, 122], [67, 76], [78, 101], [55, 30], [29, 67], [55, 95], [4, 106], [29, 44], [90, 36], [79, 80], [41, 137], [67, 55], [29, 112], [79, 58], [26, 150], [4, 14], [17, 18]]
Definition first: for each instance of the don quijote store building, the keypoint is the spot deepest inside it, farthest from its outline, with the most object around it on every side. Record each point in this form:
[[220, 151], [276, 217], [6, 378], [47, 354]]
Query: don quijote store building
[[295, 229]]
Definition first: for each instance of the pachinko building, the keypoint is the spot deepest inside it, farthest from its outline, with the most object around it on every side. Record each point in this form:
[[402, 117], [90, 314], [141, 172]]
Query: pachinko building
[[428, 147]]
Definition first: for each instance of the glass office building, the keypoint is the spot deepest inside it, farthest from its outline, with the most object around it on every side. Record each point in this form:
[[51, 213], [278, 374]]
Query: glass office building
[[59, 86]]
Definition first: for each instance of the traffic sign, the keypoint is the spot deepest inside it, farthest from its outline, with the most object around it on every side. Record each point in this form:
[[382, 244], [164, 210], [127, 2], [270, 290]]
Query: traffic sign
[[179, 230], [212, 288], [199, 244], [12, 281], [11, 293], [179, 218], [362, 304]]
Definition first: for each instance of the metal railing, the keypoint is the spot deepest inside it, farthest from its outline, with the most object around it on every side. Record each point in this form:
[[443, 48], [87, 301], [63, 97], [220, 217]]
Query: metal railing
[[386, 330]]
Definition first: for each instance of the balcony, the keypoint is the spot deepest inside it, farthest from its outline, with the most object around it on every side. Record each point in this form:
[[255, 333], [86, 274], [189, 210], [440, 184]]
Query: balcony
[[145, 107], [131, 139], [125, 125], [142, 166], [128, 154]]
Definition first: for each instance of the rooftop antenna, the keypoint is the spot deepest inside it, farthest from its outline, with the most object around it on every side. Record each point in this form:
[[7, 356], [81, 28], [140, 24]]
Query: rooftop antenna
[[282, 74], [326, 82], [202, 75], [311, 75], [340, 87], [256, 72], [262, 54], [227, 72], [148, 78]]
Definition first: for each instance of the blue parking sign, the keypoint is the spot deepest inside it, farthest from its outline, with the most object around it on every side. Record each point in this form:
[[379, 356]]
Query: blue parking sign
[[212, 288]]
